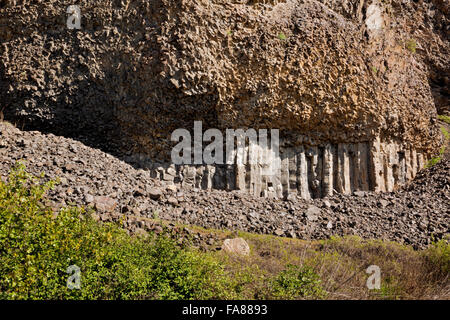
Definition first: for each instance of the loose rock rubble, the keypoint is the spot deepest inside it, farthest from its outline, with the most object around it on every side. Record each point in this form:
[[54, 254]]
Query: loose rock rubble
[[414, 215]]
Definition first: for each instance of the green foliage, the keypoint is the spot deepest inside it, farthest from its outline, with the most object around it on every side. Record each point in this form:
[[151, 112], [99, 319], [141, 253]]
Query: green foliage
[[37, 247], [438, 256], [390, 289], [374, 70], [411, 45], [282, 36], [445, 133], [433, 161], [446, 119], [298, 282]]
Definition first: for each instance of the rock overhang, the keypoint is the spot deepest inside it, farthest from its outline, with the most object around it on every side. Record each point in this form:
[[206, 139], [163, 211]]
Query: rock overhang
[[322, 72]]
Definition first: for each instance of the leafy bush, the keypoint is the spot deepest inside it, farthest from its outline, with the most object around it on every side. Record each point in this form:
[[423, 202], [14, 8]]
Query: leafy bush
[[299, 282], [438, 257], [37, 246]]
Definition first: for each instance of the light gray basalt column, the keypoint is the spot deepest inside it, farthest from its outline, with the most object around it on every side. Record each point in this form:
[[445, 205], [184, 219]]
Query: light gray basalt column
[[343, 183], [284, 172], [302, 181], [413, 162], [327, 181]]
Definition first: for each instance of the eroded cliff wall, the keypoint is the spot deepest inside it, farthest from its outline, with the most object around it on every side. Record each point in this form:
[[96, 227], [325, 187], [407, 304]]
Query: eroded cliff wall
[[323, 72]]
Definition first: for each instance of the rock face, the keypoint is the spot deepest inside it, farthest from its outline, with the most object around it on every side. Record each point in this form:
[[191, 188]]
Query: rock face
[[416, 214], [308, 171], [349, 80]]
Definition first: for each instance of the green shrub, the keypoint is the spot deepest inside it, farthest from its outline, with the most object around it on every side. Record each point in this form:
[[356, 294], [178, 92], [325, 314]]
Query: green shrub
[[37, 246], [438, 257], [298, 282]]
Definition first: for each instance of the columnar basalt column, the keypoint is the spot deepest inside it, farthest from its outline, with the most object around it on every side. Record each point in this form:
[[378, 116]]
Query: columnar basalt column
[[307, 171], [328, 178], [302, 174]]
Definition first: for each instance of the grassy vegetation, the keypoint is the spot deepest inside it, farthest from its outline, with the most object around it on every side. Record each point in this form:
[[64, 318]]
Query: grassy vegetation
[[341, 263], [445, 133], [298, 281], [446, 119], [37, 245], [436, 159]]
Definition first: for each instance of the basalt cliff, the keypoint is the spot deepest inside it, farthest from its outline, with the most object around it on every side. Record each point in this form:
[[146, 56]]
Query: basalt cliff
[[354, 86]]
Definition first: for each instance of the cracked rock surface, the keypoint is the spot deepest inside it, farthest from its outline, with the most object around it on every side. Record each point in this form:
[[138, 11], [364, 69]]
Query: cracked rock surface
[[89, 177], [337, 71]]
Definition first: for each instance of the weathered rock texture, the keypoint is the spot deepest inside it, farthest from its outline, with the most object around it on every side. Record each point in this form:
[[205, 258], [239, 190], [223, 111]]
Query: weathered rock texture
[[337, 72], [308, 171], [416, 214]]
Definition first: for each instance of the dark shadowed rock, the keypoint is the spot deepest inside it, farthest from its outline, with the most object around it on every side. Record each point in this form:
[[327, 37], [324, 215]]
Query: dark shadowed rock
[[155, 194]]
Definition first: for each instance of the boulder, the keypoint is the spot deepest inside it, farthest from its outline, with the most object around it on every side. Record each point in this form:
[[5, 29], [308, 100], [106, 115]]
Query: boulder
[[236, 246], [105, 204]]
